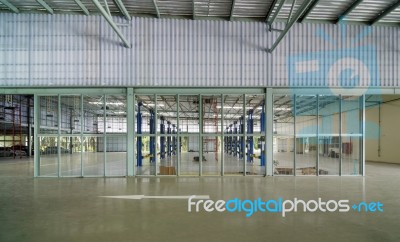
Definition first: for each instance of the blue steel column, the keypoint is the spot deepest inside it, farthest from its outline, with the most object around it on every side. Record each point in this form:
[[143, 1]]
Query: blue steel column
[[250, 143], [262, 139], [235, 139], [174, 138], [230, 140], [152, 138], [139, 138], [162, 138], [169, 148], [242, 145]]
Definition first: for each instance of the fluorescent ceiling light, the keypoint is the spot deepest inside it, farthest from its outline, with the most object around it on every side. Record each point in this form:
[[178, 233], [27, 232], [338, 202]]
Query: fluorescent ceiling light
[[108, 103], [225, 107], [152, 104], [282, 109]]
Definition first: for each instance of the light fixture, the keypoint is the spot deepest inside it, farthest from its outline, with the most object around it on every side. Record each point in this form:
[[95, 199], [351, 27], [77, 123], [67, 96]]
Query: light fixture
[[158, 104], [108, 103], [282, 109]]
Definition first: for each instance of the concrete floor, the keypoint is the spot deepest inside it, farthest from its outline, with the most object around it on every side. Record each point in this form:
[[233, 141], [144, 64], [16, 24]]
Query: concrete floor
[[70, 209]]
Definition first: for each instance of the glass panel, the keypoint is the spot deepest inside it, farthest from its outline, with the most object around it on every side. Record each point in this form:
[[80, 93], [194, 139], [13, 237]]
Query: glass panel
[[306, 135], [254, 157], [329, 140], [93, 109], [93, 156], [351, 135], [14, 113], [211, 114], [351, 159], [167, 130], [190, 155], [48, 158], [283, 141], [116, 156], [116, 114], [167, 148], [235, 145], [212, 155], [70, 156], [144, 159], [71, 114], [49, 115]]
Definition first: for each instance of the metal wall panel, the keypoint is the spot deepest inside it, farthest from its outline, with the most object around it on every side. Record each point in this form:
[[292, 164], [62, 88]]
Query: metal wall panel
[[72, 50]]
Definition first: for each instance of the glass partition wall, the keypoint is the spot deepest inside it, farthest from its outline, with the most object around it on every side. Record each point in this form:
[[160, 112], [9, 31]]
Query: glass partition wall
[[317, 135], [198, 134], [82, 135]]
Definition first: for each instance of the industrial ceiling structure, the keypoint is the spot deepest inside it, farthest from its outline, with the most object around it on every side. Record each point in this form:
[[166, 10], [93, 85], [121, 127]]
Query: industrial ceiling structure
[[365, 12]]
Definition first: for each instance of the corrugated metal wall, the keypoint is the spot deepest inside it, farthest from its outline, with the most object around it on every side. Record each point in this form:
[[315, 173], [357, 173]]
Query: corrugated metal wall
[[71, 50]]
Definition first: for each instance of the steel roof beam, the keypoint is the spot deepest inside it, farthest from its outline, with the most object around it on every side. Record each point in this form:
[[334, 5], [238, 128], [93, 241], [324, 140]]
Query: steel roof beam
[[156, 7], [10, 6], [308, 11], [348, 10], [123, 10], [271, 8], [385, 12], [282, 2], [111, 22], [193, 10], [46, 6], [292, 21], [232, 9], [84, 9]]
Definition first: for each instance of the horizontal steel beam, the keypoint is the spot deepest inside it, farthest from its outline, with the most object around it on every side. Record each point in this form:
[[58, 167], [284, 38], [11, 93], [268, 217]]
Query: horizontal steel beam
[[46, 6], [10, 6], [111, 22], [385, 12]]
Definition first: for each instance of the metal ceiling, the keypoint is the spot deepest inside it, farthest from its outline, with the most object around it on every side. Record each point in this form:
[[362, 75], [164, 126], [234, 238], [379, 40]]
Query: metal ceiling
[[367, 12], [354, 11]]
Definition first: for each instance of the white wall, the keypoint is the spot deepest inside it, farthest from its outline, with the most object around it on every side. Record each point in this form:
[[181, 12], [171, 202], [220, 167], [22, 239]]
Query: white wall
[[390, 133]]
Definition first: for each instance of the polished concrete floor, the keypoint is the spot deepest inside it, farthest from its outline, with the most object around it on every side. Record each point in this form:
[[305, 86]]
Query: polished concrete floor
[[72, 209], [93, 164]]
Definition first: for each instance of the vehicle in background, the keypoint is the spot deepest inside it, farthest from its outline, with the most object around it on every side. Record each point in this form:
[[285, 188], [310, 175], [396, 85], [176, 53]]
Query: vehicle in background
[[22, 148], [5, 152]]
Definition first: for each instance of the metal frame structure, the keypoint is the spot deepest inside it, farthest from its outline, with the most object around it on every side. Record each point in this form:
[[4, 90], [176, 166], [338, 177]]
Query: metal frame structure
[[131, 134]]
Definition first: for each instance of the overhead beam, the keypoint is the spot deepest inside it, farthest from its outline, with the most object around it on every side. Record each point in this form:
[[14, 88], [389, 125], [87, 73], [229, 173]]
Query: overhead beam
[[232, 9], [123, 10], [156, 7], [84, 9], [111, 22], [281, 3], [10, 6], [386, 12], [289, 25], [46, 6], [193, 10], [348, 10], [271, 8], [308, 11]]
